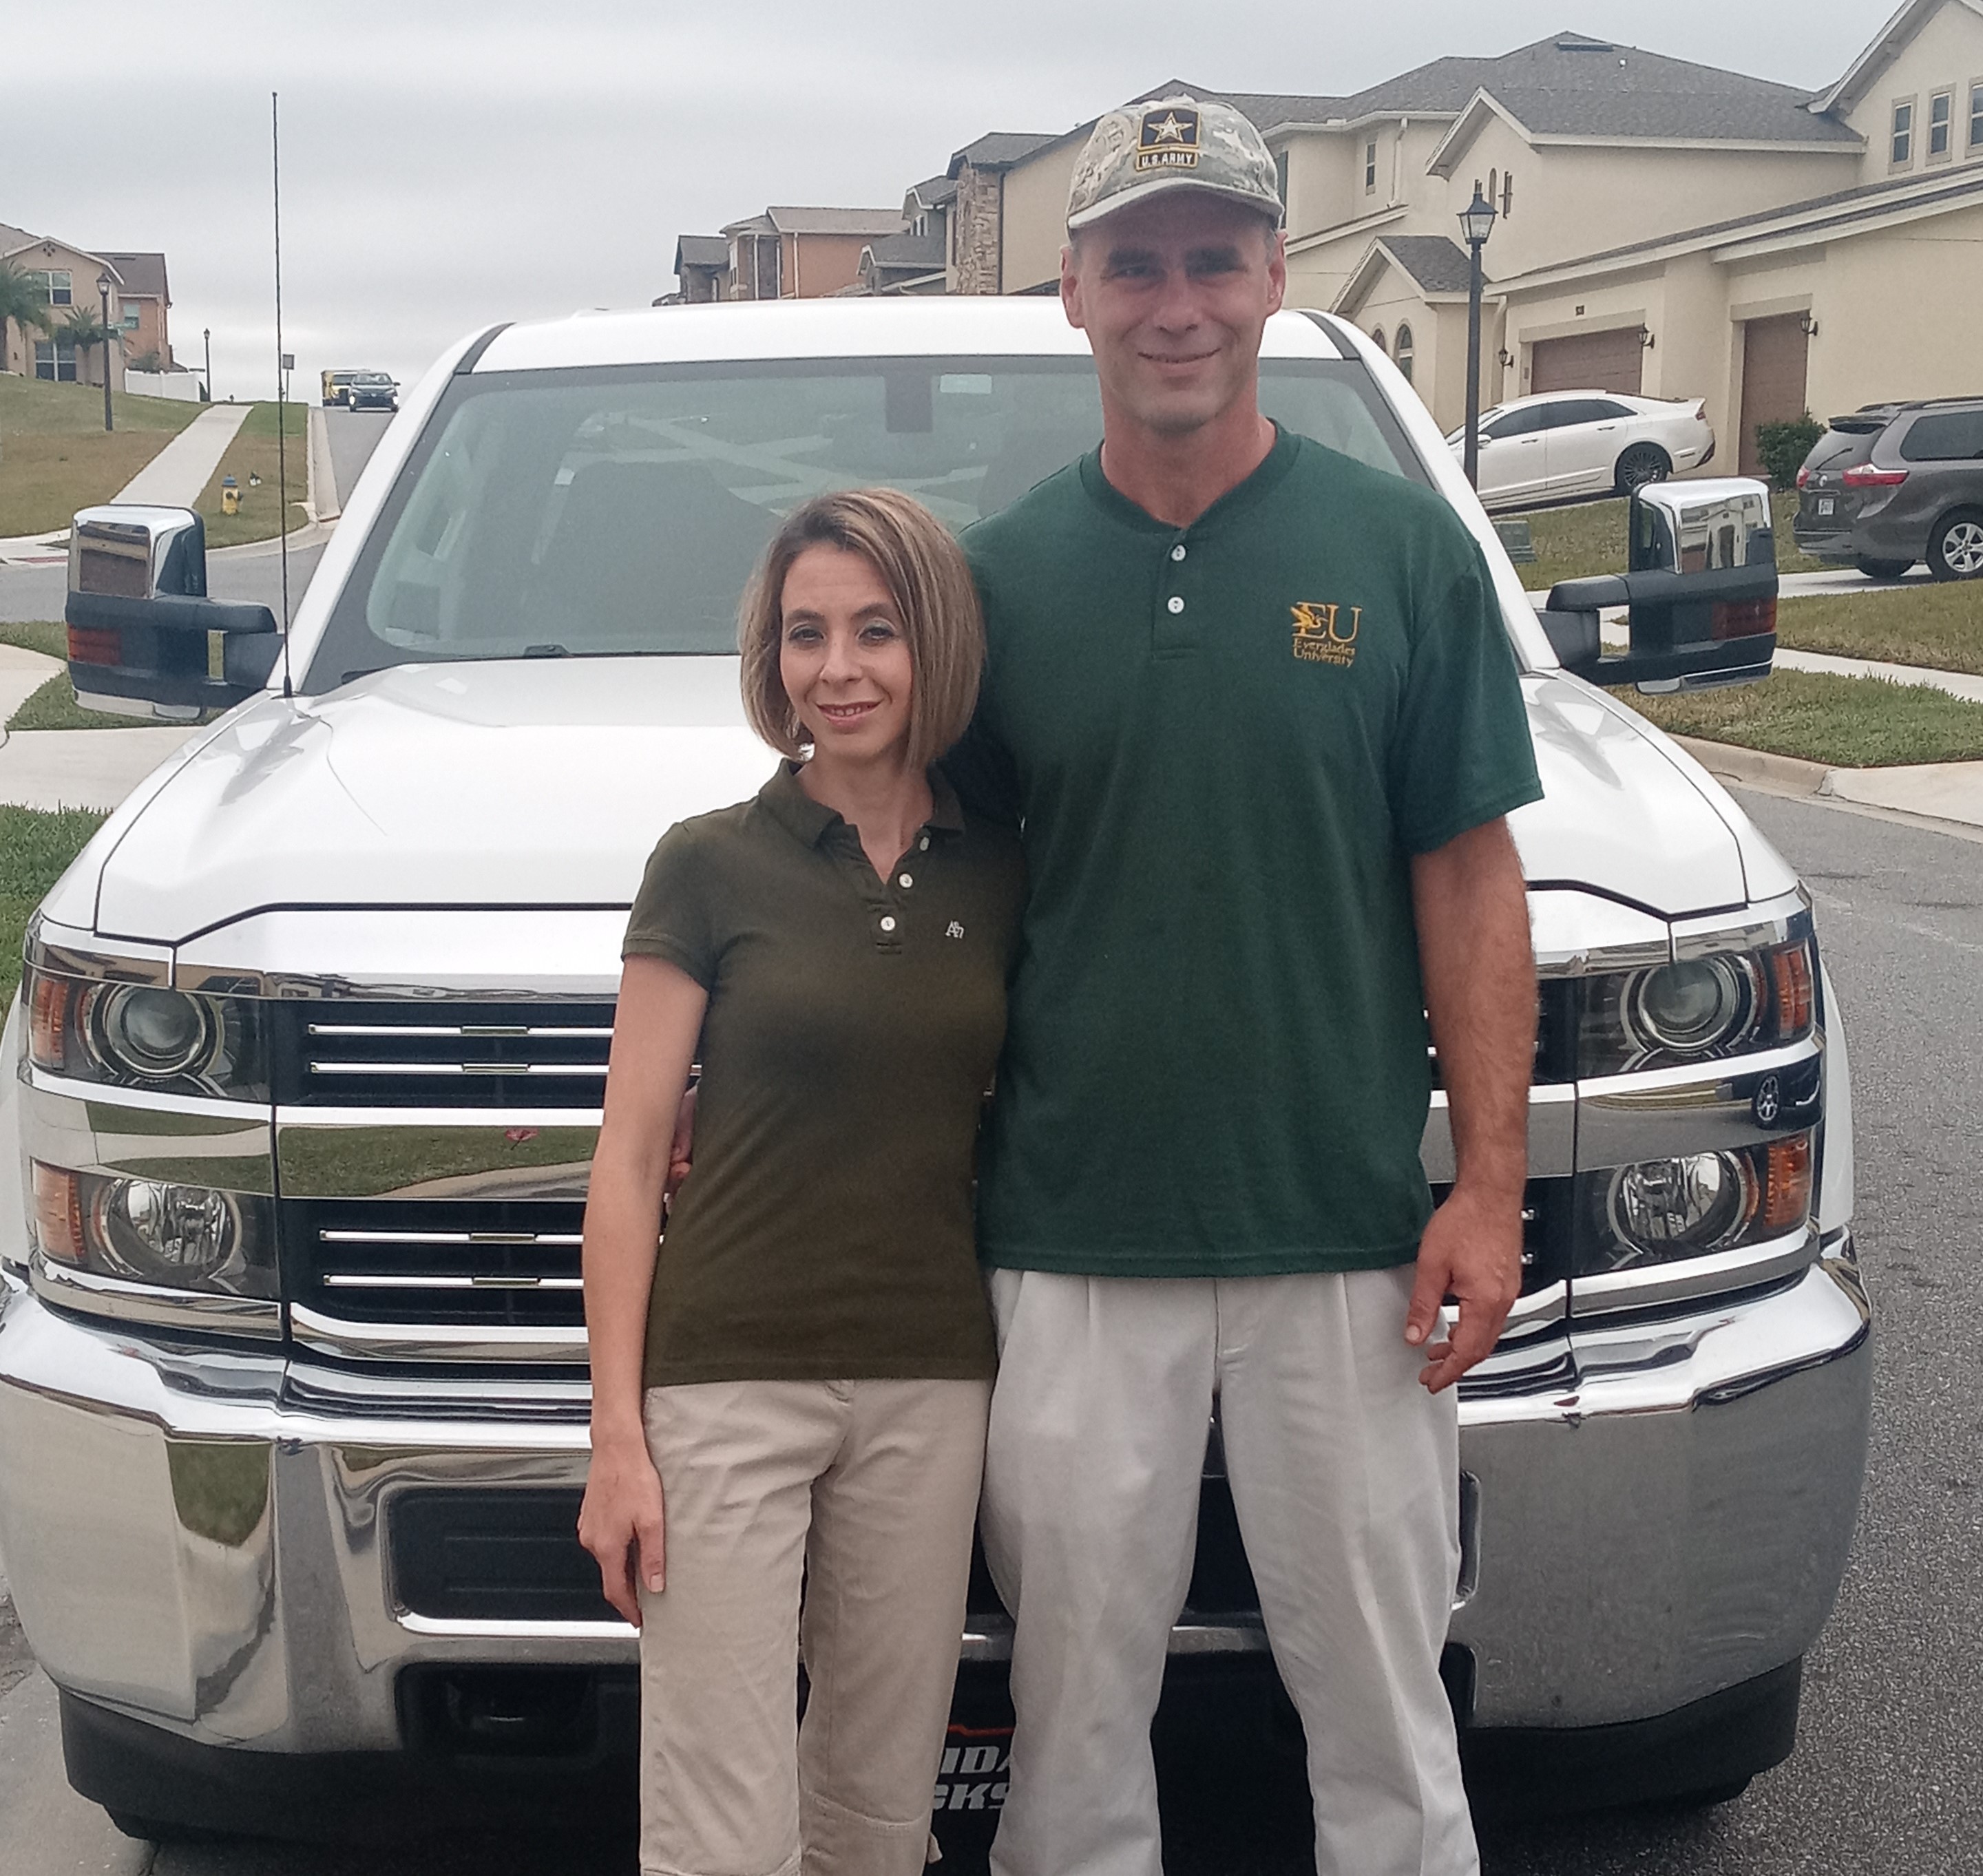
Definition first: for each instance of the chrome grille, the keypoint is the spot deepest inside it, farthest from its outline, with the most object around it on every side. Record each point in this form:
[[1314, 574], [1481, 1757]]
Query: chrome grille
[[479, 1264], [455, 1054]]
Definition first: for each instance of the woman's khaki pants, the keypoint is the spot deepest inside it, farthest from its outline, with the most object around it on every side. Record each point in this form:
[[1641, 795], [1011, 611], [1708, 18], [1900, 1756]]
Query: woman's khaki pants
[[864, 1491]]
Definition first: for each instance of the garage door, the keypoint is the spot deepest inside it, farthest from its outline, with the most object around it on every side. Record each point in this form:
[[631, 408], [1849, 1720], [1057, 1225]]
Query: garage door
[[1588, 362], [1774, 352]]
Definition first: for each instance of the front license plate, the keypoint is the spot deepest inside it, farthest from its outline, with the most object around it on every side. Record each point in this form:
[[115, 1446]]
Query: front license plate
[[1825, 504]]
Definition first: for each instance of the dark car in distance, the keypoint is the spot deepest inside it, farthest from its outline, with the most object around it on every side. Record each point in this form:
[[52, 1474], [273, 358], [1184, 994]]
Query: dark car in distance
[[1891, 484], [372, 390]]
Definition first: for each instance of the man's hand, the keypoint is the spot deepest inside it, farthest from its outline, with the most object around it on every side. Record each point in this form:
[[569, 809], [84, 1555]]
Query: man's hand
[[681, 1148], [1472, 917], [1471, 1252]]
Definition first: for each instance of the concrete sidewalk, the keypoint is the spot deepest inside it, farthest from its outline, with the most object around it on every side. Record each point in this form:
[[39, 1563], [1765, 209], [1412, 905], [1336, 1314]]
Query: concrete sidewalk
[[1956, 684], [70, 768], [174, 476]]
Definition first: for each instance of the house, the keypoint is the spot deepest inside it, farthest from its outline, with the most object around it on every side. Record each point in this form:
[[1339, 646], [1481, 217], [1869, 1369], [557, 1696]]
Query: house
[[1664, 226], [799, 253], [67, 274], [980, 231], [907, 263], [702, 267], [143, 300]]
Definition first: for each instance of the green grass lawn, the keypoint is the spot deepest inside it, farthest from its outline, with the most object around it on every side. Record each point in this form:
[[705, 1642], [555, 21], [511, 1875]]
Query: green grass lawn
[[1940, 626], [252, 452], [1844, 722], [56, 457], [1572, 543], [35, 848]]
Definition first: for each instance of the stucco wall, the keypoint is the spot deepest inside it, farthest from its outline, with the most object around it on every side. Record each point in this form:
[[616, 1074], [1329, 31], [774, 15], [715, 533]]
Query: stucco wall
[[1947, 54], [1571, 200], [1036, 214], [818, 264]]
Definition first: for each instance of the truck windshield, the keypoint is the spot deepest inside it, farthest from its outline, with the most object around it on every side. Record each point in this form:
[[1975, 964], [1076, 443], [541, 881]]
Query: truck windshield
[[619, 511]]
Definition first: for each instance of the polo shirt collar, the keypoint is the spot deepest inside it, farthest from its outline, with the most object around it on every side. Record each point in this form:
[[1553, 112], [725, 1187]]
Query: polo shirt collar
[[1112, 502], [809, 821]]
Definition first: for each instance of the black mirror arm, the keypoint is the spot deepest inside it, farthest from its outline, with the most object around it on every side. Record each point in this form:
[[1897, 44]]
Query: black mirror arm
[[173, 612]]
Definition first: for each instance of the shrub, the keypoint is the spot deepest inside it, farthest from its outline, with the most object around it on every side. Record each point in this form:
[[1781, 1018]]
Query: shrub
[[1783, 446]]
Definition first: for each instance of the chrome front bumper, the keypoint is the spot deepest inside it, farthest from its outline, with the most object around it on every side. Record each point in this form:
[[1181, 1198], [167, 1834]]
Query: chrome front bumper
[[1658, 1512]]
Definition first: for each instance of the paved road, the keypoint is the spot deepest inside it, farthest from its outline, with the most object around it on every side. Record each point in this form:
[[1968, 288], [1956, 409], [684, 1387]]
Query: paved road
[[1888, 1774], [354, 435]]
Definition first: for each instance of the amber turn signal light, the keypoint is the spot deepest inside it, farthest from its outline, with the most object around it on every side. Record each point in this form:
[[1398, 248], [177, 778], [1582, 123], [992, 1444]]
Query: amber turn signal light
[[1787, 1183], [58, 1213]]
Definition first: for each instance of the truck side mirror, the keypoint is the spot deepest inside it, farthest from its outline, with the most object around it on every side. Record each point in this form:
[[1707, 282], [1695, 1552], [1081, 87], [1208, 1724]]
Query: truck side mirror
[[1700, 595], [143, 640]]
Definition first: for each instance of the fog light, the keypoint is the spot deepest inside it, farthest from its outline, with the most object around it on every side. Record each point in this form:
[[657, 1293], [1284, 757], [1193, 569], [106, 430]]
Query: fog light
[[151, 1033], [1683, 1207], [156, 1232]]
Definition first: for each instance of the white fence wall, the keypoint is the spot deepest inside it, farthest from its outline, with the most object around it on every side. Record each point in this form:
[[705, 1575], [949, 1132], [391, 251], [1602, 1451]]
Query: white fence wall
[[182, 385]]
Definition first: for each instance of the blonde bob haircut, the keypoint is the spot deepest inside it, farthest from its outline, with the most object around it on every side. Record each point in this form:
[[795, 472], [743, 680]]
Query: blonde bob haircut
[[925, 570]]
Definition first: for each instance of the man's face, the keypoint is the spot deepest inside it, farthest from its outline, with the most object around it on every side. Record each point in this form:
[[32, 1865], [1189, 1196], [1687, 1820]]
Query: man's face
[[1173, 293]]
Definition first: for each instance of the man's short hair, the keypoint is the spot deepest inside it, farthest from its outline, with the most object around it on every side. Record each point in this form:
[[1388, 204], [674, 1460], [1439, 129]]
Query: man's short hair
[[927, 575]]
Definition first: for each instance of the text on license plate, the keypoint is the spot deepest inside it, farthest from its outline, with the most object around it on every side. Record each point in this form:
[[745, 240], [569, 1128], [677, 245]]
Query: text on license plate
[[1825, 504]]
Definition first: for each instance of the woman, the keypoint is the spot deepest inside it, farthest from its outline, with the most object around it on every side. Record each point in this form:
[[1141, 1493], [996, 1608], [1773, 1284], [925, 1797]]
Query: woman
[[796, 1389]]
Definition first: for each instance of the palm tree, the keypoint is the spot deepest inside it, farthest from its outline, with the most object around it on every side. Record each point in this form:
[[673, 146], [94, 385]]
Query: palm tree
[[22, 303], [83, 328]]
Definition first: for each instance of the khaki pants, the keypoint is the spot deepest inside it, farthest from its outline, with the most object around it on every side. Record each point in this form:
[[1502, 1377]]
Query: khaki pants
[[1345, 1474], [865, 1491]]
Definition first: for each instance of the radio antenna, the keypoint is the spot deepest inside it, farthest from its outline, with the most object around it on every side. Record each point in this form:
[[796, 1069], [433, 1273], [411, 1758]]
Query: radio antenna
[[282, 407]]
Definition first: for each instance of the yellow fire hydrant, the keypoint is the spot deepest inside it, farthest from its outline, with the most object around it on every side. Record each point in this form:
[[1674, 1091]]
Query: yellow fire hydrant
[[230, 496]]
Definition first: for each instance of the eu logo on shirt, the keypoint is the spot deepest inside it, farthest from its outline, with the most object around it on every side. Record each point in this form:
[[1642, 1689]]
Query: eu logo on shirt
[[1325, 632]]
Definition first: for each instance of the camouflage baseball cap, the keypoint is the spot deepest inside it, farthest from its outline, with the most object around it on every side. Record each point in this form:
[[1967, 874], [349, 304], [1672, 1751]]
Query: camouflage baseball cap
[[1177, 142]]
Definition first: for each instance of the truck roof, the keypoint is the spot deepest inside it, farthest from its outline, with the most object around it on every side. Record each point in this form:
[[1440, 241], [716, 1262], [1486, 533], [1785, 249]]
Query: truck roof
[[965, 327]]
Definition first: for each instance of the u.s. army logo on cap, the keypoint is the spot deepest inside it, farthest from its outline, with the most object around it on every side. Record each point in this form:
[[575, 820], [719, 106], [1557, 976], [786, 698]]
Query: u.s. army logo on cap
[[1167, 139]]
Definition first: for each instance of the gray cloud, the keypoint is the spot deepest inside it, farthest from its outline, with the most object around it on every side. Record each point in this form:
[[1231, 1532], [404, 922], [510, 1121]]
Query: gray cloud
[[445, 165]]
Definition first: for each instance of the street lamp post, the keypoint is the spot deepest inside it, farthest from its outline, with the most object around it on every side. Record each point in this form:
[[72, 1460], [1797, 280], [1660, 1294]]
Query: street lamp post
[[1477, 222], [206, 338], [103, 294]]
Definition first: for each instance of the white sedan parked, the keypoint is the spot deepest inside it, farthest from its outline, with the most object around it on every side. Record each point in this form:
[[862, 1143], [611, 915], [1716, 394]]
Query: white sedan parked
[[1584, 442]]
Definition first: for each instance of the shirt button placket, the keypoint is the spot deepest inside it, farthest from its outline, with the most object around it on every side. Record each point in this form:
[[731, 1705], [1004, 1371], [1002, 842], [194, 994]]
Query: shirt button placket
[[1173, 635]]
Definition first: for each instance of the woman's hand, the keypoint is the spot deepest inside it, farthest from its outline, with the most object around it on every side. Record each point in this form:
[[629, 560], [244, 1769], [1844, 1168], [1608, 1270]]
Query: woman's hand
[[620, 1524]]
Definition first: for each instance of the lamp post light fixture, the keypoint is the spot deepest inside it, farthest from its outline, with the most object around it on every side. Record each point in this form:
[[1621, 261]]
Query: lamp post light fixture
[[103, 286], [1476, 223]]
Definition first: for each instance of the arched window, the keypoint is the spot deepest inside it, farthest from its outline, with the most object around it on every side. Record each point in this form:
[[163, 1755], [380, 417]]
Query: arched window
[[1403, 353], [1378, 335]]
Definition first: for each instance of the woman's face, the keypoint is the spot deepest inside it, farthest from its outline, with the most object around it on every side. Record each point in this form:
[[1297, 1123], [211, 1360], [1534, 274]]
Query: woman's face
[[843, 656]]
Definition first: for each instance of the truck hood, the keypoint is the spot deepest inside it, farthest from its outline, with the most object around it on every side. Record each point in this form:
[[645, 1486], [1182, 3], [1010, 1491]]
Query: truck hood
[[546, 783]]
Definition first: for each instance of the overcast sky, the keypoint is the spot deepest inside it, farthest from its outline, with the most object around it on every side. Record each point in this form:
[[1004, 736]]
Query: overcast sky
[[447, 164]]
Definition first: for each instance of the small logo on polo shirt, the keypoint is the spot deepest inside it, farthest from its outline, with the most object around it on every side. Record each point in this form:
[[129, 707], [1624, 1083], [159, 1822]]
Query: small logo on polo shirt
[[953, 930], [1325, 632]]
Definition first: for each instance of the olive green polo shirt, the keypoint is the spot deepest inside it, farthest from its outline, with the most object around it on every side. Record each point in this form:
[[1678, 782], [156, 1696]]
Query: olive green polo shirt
[[1224, 743], [853, 1026]]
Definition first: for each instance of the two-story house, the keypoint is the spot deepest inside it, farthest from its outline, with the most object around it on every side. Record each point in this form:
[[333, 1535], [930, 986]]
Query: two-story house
[[143, 301], [1664, 227], [800, 253], [66, 275]]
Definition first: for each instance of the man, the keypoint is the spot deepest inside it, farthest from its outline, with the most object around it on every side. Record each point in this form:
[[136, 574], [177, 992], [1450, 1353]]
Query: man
[[1254, 707]]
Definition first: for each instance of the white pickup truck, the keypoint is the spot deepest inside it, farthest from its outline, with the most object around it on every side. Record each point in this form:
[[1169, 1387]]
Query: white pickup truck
[[299, 1092]]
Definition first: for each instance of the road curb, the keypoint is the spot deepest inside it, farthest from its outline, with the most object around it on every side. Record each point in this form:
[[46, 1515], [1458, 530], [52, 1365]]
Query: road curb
[[1729, 763]]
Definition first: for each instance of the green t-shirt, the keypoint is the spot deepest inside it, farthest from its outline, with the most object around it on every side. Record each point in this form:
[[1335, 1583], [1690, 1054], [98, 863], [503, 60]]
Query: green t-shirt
[[853, 1023], [1224, 743]]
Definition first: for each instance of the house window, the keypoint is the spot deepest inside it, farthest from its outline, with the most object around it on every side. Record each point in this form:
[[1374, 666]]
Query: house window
[[1976, 116], [1281, 177], [1402, 354], [55, 359], [1940, 126], [1370, 167], [56, 282], [1507, 194], [1903, 134], [1494, 184], [130, 318], [1377, 340]]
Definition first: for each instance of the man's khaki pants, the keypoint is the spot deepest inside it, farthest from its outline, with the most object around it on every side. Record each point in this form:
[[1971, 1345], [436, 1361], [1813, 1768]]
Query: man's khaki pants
[[865, 1491], [1344, 1475]]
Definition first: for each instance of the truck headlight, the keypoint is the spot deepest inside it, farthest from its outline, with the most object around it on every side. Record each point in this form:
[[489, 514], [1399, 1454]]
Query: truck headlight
[[1695, 1009], [145, 1035], [155, 1231], [1658, 1210]]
